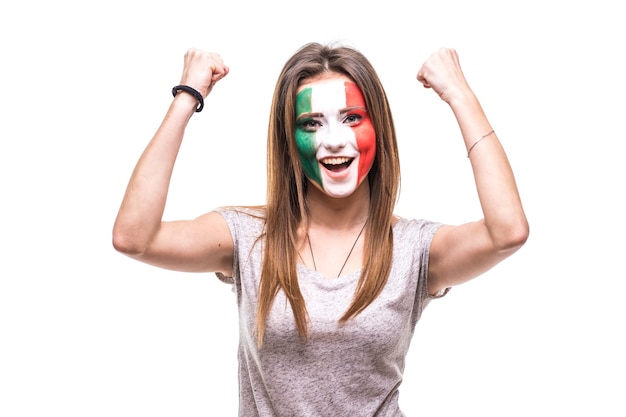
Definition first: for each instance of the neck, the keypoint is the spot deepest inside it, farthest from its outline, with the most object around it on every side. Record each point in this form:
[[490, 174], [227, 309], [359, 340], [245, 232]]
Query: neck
[[338, 213]]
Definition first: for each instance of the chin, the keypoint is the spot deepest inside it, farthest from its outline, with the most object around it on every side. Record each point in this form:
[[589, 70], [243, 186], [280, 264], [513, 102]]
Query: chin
[[341, 187], [340, 190], [335, 194]]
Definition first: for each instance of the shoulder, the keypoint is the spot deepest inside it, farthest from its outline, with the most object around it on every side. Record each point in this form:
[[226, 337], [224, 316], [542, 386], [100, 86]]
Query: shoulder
[[242, 214], [244, 222], [414, 231]]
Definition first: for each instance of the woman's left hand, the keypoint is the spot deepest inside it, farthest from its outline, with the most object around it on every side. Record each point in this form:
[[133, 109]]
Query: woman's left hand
[[442, 72]]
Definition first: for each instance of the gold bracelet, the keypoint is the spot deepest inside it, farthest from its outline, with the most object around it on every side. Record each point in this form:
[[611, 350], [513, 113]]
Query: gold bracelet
[[475, 143]]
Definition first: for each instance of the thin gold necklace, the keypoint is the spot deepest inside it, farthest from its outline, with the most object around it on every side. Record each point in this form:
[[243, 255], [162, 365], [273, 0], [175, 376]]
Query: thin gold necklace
[[349, 253]]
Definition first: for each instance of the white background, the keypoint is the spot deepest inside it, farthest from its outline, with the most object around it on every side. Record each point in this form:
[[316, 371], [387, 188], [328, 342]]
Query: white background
[[85, 331]]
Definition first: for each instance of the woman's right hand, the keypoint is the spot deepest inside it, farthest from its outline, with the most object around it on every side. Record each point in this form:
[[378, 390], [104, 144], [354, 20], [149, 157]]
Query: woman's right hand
[[201, 244], [202, 70]]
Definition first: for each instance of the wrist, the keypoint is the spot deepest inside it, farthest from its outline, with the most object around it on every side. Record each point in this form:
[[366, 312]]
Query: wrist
[[462, 98], [186, 100], [189, 93]]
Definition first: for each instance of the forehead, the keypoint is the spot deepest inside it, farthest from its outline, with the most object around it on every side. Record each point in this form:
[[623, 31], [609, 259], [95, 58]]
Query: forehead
[[323, 81], [329, 91]]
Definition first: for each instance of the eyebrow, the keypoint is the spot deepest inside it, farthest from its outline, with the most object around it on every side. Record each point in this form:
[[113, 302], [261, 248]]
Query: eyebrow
[[308, 116], [352, 108], [342, 111]]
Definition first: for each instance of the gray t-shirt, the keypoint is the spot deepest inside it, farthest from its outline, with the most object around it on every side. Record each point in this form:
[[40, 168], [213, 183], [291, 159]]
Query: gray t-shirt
[[348, 370]]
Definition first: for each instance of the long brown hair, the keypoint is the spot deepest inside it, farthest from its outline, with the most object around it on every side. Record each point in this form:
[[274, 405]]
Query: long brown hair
[[286, 185]]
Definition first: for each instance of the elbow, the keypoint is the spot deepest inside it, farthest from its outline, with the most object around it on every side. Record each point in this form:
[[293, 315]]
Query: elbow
[[512, 237], [126, 242], [519, 236]]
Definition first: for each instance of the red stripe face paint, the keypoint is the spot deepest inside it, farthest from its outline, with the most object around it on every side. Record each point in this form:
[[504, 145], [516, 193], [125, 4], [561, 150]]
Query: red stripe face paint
[[334, 134], [364, 131]]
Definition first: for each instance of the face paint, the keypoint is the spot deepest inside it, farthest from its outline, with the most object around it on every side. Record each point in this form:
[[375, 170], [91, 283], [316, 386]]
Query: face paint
[[307, 145], [334, 134], [364, 132]]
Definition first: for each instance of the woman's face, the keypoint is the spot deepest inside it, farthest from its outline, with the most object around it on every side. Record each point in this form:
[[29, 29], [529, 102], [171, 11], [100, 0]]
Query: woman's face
[[334, 134]]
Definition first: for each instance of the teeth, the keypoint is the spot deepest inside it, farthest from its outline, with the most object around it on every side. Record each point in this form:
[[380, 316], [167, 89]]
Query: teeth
[[335, 161]]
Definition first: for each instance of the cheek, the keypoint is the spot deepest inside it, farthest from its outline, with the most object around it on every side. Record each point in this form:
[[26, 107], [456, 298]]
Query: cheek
[[366, 141], [307, 149], [306, 143]]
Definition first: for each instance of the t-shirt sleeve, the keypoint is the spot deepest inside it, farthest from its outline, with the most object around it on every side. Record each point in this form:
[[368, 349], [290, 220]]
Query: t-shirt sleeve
[[430, 231], [439, 293], [231, 218], [421, 234]]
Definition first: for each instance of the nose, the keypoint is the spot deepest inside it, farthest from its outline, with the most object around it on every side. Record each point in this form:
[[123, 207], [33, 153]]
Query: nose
[[334, 139]]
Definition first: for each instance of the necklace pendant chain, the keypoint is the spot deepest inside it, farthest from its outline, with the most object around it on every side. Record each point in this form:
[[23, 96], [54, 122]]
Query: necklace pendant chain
[[349, 253], [311, 250]]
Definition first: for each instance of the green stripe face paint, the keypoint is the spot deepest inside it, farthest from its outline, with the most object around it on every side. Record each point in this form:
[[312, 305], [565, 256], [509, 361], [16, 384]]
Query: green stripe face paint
[[307, 144]]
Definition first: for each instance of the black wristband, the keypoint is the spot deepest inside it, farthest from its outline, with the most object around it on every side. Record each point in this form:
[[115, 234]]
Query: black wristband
[[191, 91]]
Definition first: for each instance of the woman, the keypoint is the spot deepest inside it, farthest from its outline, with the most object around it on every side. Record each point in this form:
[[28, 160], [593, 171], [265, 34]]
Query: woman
[[330, 283]]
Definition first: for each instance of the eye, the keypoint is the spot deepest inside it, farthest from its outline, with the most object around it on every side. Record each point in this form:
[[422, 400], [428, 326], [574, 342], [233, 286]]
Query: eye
[[353, 119], [310, 125]]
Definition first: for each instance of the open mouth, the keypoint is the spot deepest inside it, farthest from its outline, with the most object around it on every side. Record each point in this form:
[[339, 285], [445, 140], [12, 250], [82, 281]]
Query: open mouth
[[336, 164]]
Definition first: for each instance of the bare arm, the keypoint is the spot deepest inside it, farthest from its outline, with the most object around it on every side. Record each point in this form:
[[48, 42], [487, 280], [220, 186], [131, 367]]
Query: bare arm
[[460, 253], [202, 244]]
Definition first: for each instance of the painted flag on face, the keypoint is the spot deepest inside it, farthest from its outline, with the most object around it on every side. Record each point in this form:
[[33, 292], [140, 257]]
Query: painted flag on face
[[333, 130]]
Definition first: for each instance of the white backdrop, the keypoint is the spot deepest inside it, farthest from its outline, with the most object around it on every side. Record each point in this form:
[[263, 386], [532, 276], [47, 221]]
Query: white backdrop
[[85, 331]]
